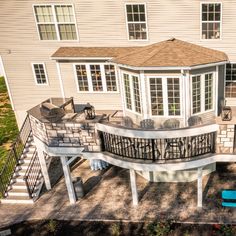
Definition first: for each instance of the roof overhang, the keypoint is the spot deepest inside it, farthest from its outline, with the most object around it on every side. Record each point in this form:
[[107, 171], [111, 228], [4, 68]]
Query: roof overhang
[[80, 58]]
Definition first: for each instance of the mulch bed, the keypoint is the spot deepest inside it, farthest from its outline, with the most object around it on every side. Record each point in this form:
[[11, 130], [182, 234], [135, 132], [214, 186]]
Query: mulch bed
[[88, 228]]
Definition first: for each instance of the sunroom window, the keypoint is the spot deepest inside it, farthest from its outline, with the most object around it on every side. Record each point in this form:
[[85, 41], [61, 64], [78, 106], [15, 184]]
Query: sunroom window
[[165, 96], [132, 92], [55, 22], [96, 78], [136, 21], [202, 93], [211, 20]]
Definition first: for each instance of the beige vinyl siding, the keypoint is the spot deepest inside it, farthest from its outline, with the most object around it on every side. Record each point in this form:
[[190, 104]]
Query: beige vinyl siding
[[101, 100], [100, 23]]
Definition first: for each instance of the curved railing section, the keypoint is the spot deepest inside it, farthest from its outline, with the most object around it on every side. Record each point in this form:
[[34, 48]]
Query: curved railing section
[[158, 145]]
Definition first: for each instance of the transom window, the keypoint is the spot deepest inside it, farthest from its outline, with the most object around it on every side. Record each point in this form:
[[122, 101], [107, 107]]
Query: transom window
[[230, 81], [96, 78], [132, 92], [39, 72], [211, 20], [55, 22], [202, 93], [136, 21], [165, 96]]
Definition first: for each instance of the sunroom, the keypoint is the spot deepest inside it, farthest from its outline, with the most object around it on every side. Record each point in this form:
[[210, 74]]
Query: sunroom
[[173, 83]]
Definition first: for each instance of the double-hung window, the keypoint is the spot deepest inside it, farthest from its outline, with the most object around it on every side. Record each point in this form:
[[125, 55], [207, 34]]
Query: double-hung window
[[55, 22], [136, 21], [165, 96], [40, 74], [96, 78], [230, 81], [211, 20], [202, 93], [132, 92]]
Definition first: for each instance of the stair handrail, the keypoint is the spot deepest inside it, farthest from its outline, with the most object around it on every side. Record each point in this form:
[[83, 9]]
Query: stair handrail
[[14, 155], [32, 174]]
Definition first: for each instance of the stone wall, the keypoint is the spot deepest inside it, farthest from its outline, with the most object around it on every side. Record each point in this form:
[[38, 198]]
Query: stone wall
[[225, 139], [67, 134]]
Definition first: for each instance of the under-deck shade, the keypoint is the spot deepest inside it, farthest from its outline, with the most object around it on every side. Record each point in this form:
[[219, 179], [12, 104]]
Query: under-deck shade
[[169, 53]]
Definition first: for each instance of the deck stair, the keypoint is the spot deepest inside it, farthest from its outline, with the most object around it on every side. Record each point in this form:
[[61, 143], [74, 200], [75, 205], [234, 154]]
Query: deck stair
[[17, 191]]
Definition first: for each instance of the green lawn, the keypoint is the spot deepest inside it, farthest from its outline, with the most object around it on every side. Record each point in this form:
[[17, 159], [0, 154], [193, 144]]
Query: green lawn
[[8, 126]]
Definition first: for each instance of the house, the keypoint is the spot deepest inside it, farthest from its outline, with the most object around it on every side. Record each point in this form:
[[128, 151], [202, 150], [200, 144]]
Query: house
[[159, 75]]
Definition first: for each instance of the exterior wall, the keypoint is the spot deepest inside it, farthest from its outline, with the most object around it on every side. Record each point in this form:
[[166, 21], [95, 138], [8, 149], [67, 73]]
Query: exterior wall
[[99, 23]]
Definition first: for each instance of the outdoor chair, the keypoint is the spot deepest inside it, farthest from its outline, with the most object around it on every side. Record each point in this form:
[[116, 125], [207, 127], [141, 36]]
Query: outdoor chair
[[127, 122], [147, 124], [194, 120], [171, 124], [229, 198]]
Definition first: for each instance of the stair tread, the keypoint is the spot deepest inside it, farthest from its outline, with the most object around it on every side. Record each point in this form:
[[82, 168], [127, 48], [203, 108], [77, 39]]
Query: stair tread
[[17, 198], [18, 190]]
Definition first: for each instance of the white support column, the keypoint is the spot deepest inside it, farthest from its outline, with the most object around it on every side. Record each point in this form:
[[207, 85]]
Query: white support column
[[144, 95], [122, 92], [68, 180], [60, 80], [44, 169], [215, 93], [199, 187], [133, 187]]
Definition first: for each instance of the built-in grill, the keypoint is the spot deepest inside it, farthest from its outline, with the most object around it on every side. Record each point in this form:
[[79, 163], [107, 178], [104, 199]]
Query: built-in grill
[[51, 112]]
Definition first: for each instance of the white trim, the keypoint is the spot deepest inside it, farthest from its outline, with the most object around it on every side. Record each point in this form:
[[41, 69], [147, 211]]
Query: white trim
[[81, 58], [89, 78], [165, 96], [55, 22], [45, 72], [183, 165], [122, 92], [144, 95], [7, 83], [221, 18], [137, 22], [157, 134], [60, 79]]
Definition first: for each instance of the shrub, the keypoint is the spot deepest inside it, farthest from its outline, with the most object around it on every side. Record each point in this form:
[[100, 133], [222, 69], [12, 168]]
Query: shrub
[[159, 228]]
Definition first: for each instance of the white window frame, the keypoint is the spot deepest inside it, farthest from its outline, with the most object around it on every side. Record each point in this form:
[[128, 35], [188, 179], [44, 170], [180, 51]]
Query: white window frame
[[45, 71], [221, 18], [233, 81], [165, 95], [89, 77], [202, 79], [141, 22], [56, 23], [132, 92]]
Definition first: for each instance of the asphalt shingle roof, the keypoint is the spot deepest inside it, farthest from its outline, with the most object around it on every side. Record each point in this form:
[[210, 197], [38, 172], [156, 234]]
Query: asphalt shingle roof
[[169, 53]]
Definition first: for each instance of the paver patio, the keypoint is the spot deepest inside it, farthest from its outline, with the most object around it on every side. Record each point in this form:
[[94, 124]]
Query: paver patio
[[109, 198]]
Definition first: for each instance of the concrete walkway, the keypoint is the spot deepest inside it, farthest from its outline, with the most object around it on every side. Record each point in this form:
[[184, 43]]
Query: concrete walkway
[[109, 198]]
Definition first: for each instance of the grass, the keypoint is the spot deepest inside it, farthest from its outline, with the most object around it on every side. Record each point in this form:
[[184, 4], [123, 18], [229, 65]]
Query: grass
[[8, 126]]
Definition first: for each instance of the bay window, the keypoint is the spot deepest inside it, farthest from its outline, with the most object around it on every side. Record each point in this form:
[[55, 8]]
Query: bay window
[[165, 96], [230, 81], [202, 93], [132, 92]]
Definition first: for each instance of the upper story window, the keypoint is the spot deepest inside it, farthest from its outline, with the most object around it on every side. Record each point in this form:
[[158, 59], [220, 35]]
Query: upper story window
[[211, 20], [136, 21], [132, 92], [202, 93], [96, 78], [39, 72], [56, 22], [230, 81], [165, 96]]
